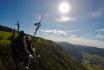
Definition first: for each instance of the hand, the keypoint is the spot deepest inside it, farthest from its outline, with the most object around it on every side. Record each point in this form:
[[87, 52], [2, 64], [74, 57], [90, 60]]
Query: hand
[[30, 56], [38, 56]]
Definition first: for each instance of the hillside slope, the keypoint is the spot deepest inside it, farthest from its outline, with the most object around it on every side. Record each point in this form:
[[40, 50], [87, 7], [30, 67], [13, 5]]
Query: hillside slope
[[72, 50], [52, 56], [91, 57]]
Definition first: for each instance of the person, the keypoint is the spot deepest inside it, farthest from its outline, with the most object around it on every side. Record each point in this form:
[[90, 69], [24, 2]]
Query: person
[[13, 45], [19, 48], [32, 51], [29, 45], [22, 49], [18, 45], [25, 54]]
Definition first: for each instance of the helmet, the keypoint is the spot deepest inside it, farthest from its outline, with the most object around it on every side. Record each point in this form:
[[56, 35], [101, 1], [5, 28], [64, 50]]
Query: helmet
[[28, 37]]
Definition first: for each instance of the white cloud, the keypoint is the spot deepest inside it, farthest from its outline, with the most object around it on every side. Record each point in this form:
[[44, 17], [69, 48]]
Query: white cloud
[[58, 32], [96, 14], [88, 42], [99, 13], [64, 19], [70, 31], [100, 30], [77, 40], [72, 38], [100, 36]]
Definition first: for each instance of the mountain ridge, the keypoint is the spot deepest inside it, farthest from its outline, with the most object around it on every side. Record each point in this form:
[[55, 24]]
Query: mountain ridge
[[86, 54]]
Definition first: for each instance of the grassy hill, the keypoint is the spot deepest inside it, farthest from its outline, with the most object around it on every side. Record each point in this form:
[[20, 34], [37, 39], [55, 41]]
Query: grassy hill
[[53, 57], [96, 62], [92, 67]]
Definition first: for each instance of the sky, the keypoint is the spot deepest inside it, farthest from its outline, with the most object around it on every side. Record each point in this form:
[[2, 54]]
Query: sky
[[83, 24]]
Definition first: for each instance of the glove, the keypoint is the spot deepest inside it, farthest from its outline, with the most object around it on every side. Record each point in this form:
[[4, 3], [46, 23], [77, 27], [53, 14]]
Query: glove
[[30, 56]]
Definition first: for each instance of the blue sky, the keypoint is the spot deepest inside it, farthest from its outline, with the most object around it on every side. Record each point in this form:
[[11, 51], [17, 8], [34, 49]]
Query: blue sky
[[84, 24]]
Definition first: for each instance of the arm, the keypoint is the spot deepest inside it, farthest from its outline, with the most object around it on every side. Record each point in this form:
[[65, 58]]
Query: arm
[[25, 47], [27, 51]]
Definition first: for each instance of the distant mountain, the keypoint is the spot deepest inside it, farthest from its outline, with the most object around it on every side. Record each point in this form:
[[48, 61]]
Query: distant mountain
[[91, 50], [81, 53], [72, 50], [52, 55], [79, 49]]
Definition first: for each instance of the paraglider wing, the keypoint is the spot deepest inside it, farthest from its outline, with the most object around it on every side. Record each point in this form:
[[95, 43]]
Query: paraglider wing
[[37, 26]]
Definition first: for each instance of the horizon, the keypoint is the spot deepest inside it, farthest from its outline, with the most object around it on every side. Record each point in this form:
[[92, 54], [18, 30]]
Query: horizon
[[82, 23]]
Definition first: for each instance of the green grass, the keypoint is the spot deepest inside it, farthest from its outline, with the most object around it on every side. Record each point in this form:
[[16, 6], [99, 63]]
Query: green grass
[[92, 58], [4, 35], [92, 67], [4, 38]]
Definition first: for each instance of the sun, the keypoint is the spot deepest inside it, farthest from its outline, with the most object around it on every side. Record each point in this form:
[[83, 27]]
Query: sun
[[64, 7]]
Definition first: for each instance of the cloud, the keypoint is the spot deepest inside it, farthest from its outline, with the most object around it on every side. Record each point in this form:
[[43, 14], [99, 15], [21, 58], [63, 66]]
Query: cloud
[[71, 31], [77, 40], [100, 36], [58, 32], [64, 19], [73, 36], [88, 42], [68, 36], [100, 33], [96, 14], [100, 30], [99, 13]]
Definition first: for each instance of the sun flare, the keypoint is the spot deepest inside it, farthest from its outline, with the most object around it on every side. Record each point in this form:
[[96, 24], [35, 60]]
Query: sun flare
[[64, 7]]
